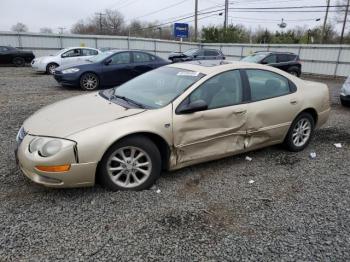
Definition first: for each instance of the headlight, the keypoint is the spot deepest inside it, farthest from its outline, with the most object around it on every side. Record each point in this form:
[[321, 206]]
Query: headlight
[[46, 146], [20, 135], [70, 70]]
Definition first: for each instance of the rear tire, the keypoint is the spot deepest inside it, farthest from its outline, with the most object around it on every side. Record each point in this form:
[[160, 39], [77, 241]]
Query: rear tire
[[89, 82], [294, 71], [50, 68], [344, 103], [133, 163], [19, 61], [300, 133]]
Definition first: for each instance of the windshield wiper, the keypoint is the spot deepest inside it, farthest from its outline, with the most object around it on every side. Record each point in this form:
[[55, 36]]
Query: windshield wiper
[[128, 100]]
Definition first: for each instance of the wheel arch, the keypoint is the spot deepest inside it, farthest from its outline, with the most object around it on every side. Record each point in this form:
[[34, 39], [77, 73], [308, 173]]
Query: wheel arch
[[312, 112], [158, 140]]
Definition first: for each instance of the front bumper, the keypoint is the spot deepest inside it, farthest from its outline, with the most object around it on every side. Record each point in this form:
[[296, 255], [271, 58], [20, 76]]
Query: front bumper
[[37, 66], [67, 79], [79, 174]]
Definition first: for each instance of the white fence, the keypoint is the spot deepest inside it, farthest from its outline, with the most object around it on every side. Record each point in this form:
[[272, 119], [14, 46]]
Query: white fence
[[331, 60]]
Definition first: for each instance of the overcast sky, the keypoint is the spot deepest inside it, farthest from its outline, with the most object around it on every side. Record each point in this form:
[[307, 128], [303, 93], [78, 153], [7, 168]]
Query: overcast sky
[[64, 13]]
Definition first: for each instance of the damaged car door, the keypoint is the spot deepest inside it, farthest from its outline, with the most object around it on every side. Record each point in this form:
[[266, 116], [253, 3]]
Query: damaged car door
[[273, 106], [211, 121]]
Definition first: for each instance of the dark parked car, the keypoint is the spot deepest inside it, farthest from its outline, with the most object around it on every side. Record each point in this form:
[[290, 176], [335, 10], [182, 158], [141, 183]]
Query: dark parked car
[[110, 68], [11, 55], [196, 54], [285, 61]]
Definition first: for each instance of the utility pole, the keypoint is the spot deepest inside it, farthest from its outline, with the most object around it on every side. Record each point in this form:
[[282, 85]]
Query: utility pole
[[344, 23], [324, 22], [100, 20], [195, 20], [226, 14], [61, 29]]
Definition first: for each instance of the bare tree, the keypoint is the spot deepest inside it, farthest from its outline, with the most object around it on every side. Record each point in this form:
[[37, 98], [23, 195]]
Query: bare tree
[[46, 30], [19, 27], [113, 22]]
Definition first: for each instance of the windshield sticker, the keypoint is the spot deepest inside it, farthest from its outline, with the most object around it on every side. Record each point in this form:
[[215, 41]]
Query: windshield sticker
[[188, 73], [160, 103]]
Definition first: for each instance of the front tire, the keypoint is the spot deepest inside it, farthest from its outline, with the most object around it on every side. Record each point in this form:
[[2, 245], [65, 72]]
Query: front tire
[[50, 68], [19, 61], [133, 163], [89, 82], [300, 133]]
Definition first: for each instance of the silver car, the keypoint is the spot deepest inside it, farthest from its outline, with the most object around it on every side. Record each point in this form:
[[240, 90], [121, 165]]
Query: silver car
[[48, 64]]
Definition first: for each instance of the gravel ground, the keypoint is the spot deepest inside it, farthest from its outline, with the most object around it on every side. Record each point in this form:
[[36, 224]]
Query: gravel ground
[[297, 208]]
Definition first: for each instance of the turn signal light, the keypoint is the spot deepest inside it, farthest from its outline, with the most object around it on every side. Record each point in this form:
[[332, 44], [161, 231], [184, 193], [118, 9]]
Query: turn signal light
[[61, 168]]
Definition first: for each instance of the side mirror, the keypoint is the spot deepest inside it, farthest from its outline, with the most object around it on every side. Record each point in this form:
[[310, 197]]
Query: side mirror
[[264, 63], [107, 62], [195, 56], [195, 106]]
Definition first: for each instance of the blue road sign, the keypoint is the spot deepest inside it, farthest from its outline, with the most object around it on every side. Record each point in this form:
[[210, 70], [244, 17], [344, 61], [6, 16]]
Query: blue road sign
[[181, 30]]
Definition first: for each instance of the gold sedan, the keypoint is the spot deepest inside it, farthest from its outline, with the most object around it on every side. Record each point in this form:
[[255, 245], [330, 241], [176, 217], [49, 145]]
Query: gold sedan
[[169, 118]]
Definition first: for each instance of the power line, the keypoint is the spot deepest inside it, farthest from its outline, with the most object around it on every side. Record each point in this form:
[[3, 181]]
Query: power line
[[162, 9], [284, 9]]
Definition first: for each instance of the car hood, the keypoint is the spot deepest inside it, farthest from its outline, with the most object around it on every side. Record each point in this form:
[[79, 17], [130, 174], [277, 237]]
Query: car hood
[[176, 55], [72, 115]]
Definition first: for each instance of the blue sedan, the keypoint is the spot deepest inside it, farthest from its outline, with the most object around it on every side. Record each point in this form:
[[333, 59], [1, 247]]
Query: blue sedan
[[107, 69]]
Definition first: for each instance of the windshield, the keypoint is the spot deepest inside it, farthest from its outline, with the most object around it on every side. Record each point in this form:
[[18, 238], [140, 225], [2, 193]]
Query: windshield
[[190, 52], [159, 87], [100, 57], [60, 52], [254, 58]]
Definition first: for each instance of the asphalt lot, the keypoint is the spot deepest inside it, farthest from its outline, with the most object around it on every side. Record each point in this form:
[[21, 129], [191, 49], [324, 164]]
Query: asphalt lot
[[297, 208]]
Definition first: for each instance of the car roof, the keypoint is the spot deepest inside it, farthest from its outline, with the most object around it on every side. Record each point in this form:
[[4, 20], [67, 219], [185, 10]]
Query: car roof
[[274, 52], [214, 66]]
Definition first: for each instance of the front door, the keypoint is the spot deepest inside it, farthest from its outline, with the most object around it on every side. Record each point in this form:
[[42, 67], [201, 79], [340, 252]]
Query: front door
[[71, 56], [219, 130], [117, 69]]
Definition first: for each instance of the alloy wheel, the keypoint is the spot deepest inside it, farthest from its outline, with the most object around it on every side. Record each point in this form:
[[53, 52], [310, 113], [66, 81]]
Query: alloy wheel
[[52, 69], [90, 82], [129, 167], [301, 132]]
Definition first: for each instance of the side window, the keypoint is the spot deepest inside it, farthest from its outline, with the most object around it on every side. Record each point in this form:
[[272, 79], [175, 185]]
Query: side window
[[200, 52], [88, 52], [271, 59], [142, 57], [284, 58], [222, 90], [121, 58], [72, 53], [265, 84], [210, 53]]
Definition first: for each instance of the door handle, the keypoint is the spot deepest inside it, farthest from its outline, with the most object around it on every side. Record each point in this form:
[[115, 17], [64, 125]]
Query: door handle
[[242, 111], [293, 102]]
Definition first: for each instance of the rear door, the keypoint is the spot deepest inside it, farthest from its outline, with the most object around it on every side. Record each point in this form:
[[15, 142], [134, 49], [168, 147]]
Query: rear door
[[219, 130], [87, 53], [284, 60], [142, 63], [273, 107], [117, 69]]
